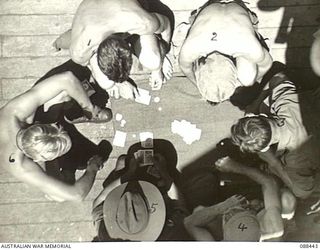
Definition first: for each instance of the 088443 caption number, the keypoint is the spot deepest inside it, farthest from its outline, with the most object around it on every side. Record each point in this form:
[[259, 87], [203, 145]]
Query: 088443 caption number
[[308, 245]]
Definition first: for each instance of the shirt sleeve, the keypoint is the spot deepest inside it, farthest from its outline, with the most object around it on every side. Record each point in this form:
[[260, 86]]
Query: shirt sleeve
[[286, 109], [97, 216]]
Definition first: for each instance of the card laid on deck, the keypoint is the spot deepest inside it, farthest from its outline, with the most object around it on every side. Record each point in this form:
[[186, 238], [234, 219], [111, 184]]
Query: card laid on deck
[[146, 139]]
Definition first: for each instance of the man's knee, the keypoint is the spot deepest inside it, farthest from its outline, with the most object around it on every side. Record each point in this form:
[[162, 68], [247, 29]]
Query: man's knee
[[151, 60], [288, 202]]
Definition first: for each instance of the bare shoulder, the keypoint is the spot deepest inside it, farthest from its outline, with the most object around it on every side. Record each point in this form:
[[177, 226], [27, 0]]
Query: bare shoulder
[[226, 28], [11, 157]]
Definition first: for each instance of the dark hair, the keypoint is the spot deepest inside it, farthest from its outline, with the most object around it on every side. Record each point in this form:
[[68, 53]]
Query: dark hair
[[115, 58], [251, 134]]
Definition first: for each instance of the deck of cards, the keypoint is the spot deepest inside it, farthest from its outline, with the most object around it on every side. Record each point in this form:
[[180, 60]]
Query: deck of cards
[[188, 131]]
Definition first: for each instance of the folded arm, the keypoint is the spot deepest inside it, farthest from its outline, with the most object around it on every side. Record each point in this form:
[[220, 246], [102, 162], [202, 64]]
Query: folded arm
[[270, 222], [31, 173], [196, 223], [276, 166], [64, 85]]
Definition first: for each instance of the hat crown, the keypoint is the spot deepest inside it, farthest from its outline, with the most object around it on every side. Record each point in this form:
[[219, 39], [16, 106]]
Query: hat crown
[[132, 214], [134, 211], [242, 226]]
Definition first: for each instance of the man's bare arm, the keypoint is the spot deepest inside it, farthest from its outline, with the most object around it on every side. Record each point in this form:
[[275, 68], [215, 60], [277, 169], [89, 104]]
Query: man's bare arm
[[188, 56], [152, 23], [64, 84], [31, 173], [315, 55], [276, 166], [270, 220], [246, 71], [104, 193], [264, 65], [269, 186], [259, 56], [164, 28], [196, 223]]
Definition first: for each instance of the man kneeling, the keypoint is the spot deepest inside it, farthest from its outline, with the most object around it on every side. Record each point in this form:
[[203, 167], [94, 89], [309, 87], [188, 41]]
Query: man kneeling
[[223, 50]]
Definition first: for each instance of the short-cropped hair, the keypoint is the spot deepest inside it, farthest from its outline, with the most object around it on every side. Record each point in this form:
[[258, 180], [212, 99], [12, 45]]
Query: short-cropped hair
[[44, 142], [115, 58], [251, 134], [216, 77]]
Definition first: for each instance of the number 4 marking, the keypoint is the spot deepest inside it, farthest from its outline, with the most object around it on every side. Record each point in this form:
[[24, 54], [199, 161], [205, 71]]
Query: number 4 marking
[[242, 227]]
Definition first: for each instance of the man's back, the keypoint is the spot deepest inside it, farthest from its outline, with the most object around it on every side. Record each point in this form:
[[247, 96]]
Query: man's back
[[95, 20], [226, 22], [10, 156]]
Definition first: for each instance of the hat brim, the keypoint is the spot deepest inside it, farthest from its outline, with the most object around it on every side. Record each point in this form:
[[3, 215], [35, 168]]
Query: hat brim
[[157, 214]]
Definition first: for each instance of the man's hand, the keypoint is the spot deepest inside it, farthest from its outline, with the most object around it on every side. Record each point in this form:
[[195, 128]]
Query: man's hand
[[234, 201], [315, 208], [99, 114], [227, 165], [158, 77], [125, 90], [95, 163]]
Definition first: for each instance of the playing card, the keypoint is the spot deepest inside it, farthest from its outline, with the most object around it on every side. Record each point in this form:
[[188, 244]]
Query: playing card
[[143, 97], [146, 157]]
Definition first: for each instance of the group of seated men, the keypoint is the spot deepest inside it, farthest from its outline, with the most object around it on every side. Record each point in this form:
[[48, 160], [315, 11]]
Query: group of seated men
[[221, 52]]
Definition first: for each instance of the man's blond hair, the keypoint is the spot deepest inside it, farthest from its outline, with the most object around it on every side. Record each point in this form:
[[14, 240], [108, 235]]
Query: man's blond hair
[[44, 142]]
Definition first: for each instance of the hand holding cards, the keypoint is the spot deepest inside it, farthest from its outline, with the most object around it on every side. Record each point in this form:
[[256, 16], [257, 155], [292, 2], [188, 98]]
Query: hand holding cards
[[144, 157]]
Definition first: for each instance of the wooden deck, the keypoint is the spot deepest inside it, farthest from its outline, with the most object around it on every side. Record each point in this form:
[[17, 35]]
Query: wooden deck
[[27, 30]]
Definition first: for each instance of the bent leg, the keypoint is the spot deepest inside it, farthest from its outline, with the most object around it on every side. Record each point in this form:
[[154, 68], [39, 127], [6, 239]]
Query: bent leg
[[288, 203], [63, 41]]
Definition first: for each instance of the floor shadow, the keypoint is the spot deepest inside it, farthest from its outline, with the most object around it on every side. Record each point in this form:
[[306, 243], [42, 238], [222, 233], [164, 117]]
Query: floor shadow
[[203, 185], [292, 33]]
